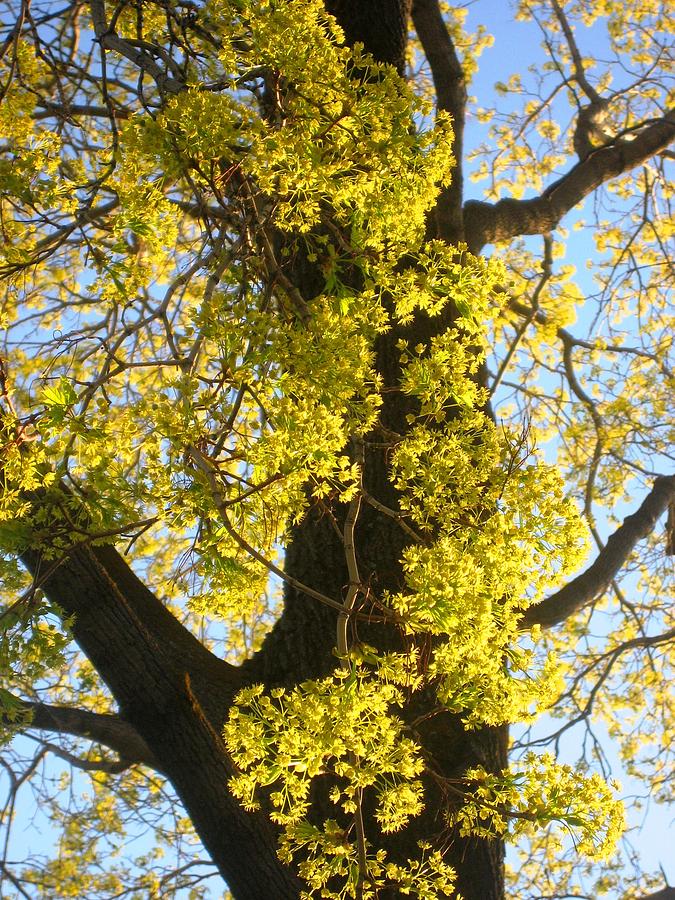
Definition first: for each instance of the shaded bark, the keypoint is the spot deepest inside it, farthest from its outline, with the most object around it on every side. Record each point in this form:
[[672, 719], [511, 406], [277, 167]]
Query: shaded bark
[[103, 728], [380, 25], [301, 644], [666, 893]]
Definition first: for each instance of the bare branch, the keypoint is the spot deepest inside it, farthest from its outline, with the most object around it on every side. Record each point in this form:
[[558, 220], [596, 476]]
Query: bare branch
[[110, 766], [487, 223], [450, 85], [109, 730], [546, 274], [670, 530], [591, 583], [355, 586]]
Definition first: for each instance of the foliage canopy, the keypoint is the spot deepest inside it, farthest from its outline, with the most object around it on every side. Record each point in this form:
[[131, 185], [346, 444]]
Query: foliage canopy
[[295, 475]]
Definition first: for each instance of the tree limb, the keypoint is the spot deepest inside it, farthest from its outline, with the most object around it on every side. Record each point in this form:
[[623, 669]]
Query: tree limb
[[109, 766], [591, 583], [487, 223], [666, 893], [175, 693], [110, 730], [577, 59], [450, 85]]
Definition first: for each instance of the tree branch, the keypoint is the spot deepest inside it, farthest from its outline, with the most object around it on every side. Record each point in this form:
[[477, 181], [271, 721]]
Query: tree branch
[[450, 85], [110, 730], [597, 578], [109, 766], [577, 59], [487, 223], [175, 693]]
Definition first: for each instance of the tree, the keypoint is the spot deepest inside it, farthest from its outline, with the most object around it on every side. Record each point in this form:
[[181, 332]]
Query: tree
[[278, 539]]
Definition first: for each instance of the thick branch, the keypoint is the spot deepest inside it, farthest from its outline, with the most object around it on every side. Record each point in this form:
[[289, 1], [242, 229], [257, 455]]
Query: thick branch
[[61, 111], [175, 693], [450, 85], [109, 730], [487, 223], [597, 578]]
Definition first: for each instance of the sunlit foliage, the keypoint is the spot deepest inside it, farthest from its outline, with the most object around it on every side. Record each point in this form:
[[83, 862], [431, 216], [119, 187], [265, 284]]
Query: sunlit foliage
[[168, 383]]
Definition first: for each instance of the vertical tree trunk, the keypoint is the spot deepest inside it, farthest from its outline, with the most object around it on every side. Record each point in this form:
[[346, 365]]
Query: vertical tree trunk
[[301, 644]]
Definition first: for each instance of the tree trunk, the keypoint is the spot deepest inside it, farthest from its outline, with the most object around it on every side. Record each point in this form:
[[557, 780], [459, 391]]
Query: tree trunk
[[176, 694], [301, 645]]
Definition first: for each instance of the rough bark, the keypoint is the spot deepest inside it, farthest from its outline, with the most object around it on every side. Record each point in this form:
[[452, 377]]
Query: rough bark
[[666, 893], [102, 728], [380, 25], [301, 643], [175, 694]]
